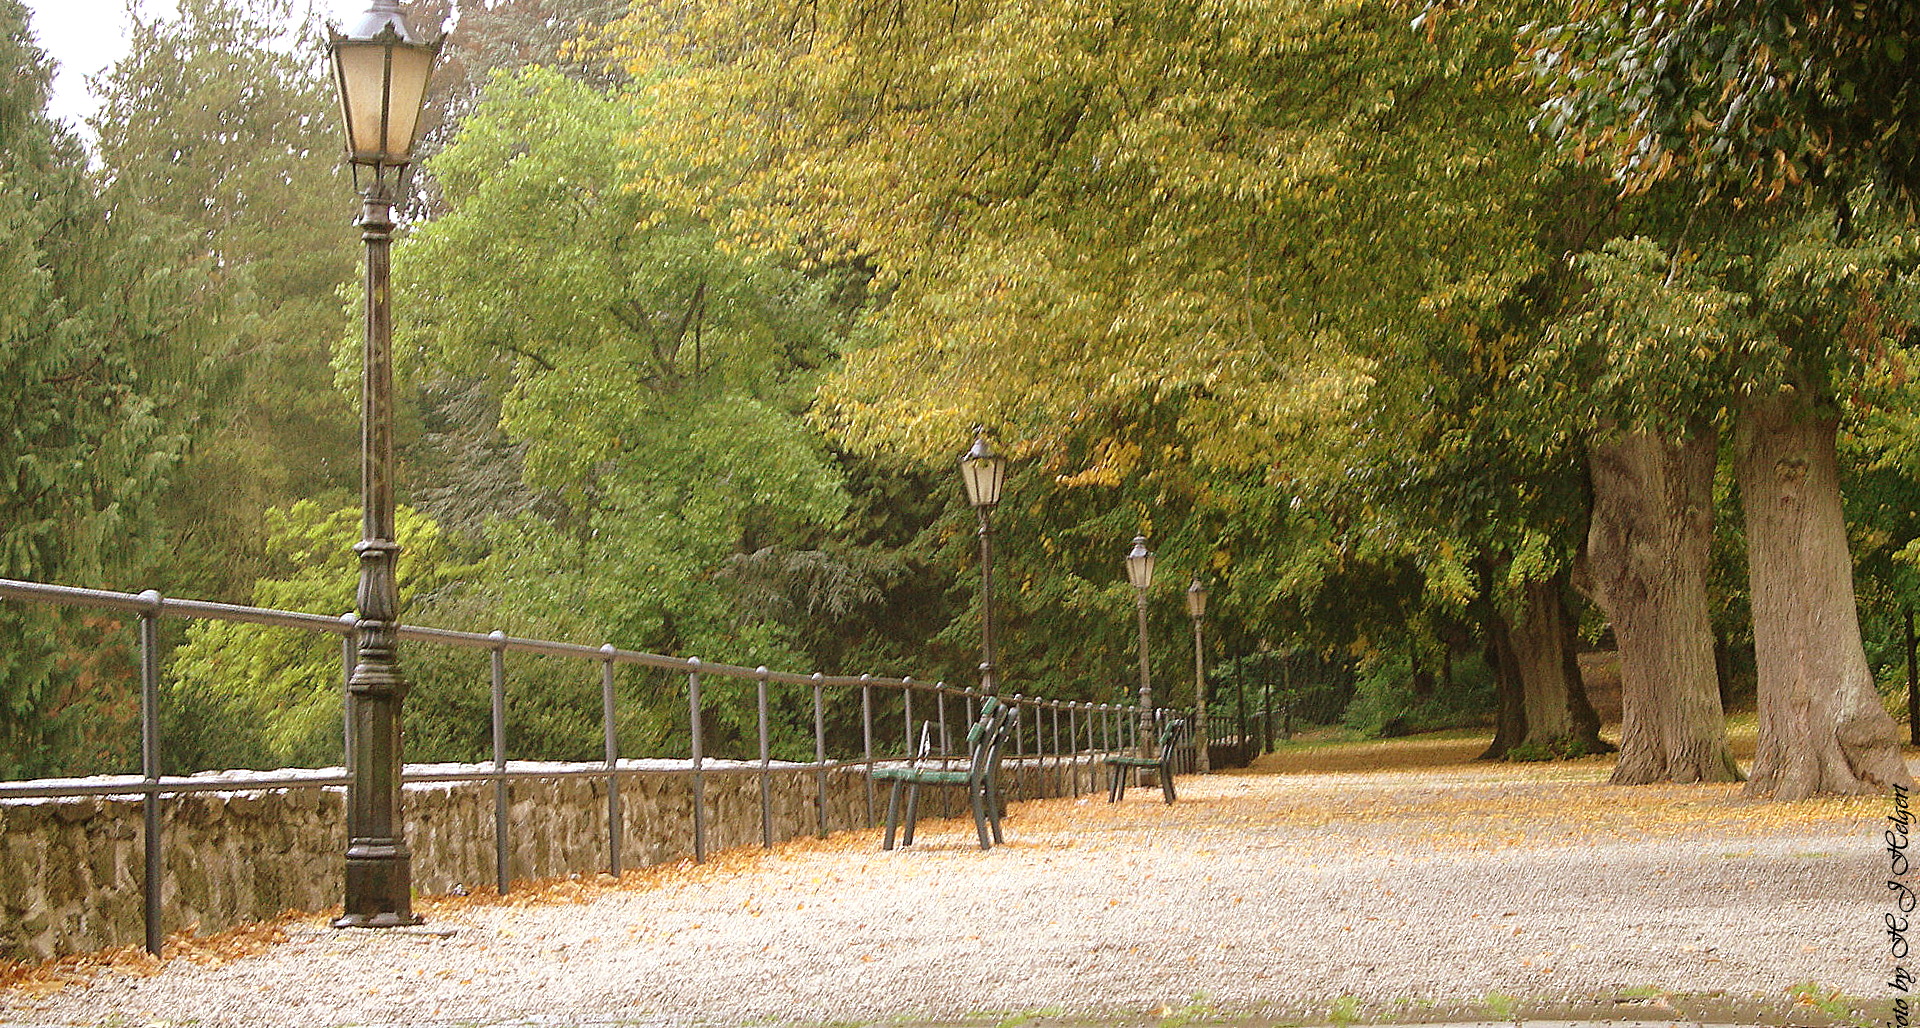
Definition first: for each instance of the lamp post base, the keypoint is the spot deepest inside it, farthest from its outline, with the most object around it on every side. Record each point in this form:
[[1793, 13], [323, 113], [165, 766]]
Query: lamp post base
[[380, 884]]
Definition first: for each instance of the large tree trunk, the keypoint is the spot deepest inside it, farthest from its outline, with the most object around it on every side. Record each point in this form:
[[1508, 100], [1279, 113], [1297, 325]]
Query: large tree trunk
[[1822, 728], [1647, 549], [1586, 720], [1510, 729], [1559, 720], [1537, 635]]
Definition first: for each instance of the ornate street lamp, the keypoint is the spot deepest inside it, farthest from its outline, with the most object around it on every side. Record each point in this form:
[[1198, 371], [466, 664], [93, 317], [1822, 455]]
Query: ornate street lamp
[[1197, 609], [381, 68], [1140, 573], [984, 472]]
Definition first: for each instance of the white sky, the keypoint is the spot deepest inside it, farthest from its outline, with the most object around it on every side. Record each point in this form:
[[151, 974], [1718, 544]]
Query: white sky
[[86, 36]]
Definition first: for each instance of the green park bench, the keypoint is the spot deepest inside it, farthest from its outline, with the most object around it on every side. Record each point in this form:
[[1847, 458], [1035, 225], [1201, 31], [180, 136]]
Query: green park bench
[[1120, 767], [979, 777]]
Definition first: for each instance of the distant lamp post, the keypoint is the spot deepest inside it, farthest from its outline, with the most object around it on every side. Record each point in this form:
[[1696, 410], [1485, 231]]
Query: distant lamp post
[[1140, 573], [1197, 609], [381, 68], [984, 473]]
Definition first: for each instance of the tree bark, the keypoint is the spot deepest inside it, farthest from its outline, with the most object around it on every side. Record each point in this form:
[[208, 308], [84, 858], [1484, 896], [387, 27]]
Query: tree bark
[[1559, 720], [1648, 548], [1510, 730], [1538, 633], [1822, 727], [1586, 720]]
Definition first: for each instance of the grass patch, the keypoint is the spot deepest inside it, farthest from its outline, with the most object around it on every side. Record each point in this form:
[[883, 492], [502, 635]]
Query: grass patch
[[1501, 1007], [1841, 1008], [1197, 1009]]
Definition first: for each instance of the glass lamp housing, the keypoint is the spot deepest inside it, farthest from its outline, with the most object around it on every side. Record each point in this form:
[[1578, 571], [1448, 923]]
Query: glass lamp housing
[[984, 473], [381, 68], [1140, 564], [1197, 599]]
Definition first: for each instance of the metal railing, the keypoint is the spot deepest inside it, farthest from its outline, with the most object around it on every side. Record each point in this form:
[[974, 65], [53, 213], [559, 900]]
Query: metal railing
[[1092, 729]]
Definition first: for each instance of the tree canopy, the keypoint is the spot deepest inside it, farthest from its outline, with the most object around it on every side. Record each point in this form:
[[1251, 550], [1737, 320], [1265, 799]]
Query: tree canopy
[[1442, 341]]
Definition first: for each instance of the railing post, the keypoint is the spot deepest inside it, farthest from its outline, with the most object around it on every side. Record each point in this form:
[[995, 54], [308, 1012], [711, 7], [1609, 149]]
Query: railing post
[[766, 760], [906, 717], [1053, 711], [497, 661], [612, 740], [820, 746], [946, 739], [1073, 740], [940, 701], [1094, 753], [1045, 724], [699, 754], [866, 735], [1019, 748], [155, 883], [973, 715]]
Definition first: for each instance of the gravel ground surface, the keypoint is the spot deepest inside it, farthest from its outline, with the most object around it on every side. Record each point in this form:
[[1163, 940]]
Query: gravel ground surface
[[1454, 893]]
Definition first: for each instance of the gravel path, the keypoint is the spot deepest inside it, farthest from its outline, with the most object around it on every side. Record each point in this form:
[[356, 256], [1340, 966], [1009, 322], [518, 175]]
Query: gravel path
[[1431, 894]]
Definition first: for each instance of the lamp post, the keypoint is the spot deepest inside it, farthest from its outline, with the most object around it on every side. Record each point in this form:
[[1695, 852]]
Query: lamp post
[[1140, 573], [984, 472], [1197, 609], [381, 68]]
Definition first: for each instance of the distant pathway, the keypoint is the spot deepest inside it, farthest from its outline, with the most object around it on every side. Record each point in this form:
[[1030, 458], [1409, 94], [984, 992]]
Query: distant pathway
[[1442, 893]]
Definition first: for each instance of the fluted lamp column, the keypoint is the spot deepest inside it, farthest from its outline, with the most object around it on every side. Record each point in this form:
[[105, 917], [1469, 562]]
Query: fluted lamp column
[[984, 473], [1140, 574], [1197, 609], [381, 68]]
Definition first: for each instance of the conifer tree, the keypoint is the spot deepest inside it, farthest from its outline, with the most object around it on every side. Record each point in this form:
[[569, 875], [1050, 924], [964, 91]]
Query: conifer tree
[[83, 447]]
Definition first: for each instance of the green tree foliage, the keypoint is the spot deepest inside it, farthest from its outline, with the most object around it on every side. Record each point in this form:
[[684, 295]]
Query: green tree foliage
[[219, 138], [651, 380], [492, 36], [83, 445], [1144, 237], [1755, 96], [1071, 207], [242, 695]]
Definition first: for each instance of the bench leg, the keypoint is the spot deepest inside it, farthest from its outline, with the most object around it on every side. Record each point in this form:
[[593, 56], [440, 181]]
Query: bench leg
[[996, 808], [1116, 783], [1166, 782], [982, 803], [913, 812], [893, 814]]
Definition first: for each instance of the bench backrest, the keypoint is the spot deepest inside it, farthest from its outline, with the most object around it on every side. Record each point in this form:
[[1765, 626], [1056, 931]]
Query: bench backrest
[[985, 737], [1170, 737]]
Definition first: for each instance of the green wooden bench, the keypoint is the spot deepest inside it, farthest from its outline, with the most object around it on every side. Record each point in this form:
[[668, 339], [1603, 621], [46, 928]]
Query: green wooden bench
[[1119, 767], [979, 777]]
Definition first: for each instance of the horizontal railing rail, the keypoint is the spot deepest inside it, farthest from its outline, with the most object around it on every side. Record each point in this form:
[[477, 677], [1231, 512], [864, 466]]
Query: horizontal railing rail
[[1092, 729]]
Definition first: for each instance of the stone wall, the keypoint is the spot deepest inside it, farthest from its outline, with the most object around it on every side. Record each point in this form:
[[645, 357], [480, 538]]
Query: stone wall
[[71, 870]]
